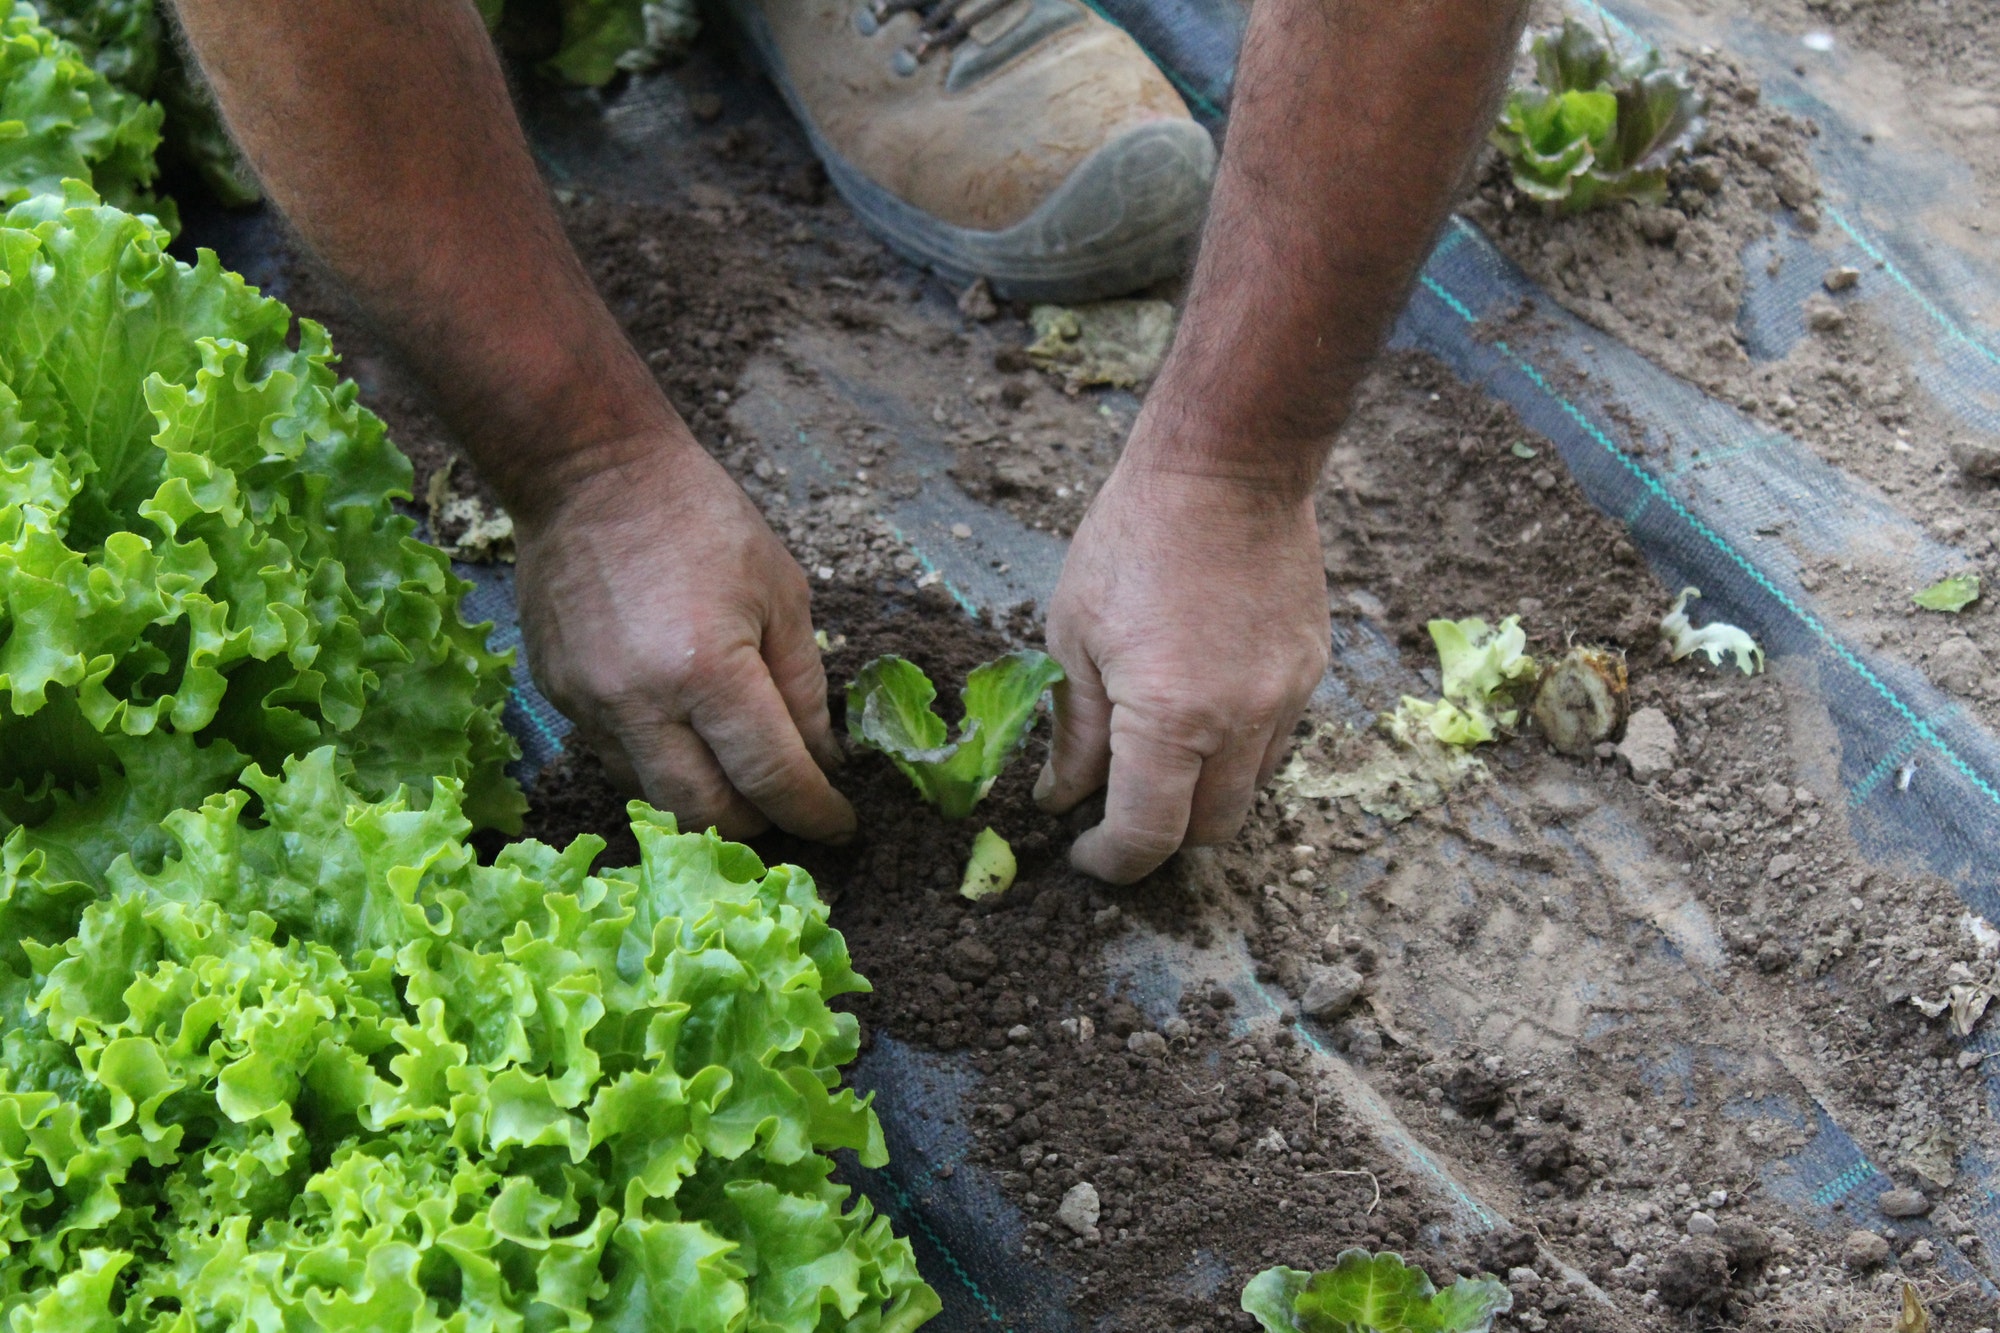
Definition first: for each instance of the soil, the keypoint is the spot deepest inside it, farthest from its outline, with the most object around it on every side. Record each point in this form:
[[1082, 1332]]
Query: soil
[[1606, 1008]]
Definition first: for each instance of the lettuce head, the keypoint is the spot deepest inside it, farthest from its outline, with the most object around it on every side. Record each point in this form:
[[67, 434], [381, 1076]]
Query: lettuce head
[[200, 564], [325, 1071]]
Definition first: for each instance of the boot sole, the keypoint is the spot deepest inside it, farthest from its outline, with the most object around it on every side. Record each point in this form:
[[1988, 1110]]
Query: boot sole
[[1127, 217]]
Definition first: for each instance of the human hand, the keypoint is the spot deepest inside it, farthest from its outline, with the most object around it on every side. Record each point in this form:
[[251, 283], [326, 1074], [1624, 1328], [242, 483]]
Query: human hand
[[1191, 618], [665, 619]]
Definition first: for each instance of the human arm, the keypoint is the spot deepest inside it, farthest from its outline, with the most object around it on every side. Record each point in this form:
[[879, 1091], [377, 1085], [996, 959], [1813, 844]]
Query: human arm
[[1191, 615], [659, 610]]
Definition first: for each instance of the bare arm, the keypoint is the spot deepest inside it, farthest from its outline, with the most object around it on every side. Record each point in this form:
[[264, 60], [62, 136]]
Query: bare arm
[[1192, 612], [660, 613]]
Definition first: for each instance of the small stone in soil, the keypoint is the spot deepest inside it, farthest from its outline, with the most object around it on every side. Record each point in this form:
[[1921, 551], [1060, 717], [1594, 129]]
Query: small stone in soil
[[1903, 1203], [1079, 1209], [1863, 1250], [1840, 279], [1650, 746], [1976, 459], [1331, 991]]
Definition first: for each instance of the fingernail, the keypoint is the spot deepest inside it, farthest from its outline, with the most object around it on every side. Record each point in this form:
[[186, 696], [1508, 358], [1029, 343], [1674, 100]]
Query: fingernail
[[1045, 782]]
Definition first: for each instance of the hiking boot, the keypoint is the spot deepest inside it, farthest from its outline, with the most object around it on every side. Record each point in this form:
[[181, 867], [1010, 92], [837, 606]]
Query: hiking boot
[[1028, 142]]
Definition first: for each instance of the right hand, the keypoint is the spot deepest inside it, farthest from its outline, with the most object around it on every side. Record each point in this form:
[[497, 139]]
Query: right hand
[[663, 617]]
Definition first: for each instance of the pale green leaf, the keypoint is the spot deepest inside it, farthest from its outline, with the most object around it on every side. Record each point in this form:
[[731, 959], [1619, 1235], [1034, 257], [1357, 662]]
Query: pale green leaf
[[1952, 594]]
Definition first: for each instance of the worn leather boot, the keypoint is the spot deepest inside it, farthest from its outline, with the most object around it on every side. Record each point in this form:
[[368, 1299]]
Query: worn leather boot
[[1028, 142]]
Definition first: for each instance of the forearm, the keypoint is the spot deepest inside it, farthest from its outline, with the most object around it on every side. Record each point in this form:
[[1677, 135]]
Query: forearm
[[1351, 129], [384, 131]]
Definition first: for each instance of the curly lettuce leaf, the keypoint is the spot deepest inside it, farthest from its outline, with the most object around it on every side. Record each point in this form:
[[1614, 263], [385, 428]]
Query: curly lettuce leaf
[[889, 709], [61, 119], [1592, 127], [1372, 1293], [197, 538], [1484, 672], [325, 1069]]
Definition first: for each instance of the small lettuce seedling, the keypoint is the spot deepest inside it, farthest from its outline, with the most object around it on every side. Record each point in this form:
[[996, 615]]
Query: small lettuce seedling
[[1593, 128], [1484, 674], [1372, 1293], [889, 709]]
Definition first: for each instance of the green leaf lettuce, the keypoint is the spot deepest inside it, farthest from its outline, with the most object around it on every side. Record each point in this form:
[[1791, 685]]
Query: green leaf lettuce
[[325, 1070], [1593, 127], [1372, 1293], [60, 119], [889, 709], [197, 544]]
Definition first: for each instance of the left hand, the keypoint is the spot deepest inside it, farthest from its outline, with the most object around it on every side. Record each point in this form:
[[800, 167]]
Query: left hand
[[1191, 617]]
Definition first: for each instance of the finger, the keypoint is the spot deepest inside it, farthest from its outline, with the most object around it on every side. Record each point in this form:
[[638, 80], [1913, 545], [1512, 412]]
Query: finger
[[799, 673], [1080, 748], [679, 774], [755, 740], [1147, 802], [1227, 785], [1280, 746]]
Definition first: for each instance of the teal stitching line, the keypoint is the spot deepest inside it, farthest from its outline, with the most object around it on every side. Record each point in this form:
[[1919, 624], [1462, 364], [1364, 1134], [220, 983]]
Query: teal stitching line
[[1186, 89], [1902, 280], [1843, 1184], [1638, 508], [970, 607], [1715, 539], [916, 1219], [553, 738], [1897, 753]]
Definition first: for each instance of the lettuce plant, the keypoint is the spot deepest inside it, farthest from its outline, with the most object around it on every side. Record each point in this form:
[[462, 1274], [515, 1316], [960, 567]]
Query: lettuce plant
[[1485, 674], [326, 1071], [1372, 1293], [889, 709], [1593, 127], [60, 119], [199, 561]]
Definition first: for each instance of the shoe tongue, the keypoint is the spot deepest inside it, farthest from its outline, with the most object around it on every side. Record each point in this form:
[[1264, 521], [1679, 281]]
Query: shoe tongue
[[998, 38]]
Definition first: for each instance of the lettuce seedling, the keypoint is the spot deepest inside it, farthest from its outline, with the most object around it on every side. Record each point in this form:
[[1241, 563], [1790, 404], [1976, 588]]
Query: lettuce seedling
[[1485, 673], [1593, 128], [889, 709], [1372, 1293]]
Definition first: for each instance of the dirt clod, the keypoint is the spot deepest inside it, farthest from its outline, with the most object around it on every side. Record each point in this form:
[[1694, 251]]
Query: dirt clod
[[1694, 1275], [1903, 1203], [1863, 1250]]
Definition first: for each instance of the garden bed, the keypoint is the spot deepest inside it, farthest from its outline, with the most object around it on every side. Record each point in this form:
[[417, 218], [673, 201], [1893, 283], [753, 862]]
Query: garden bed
[[1606, 1010]]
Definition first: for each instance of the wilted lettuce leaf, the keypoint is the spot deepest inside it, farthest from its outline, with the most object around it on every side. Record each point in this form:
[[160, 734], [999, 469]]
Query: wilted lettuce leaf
[[1484, 674], [1593, 128], [1372, 1293], [324, 1070], [61, 119], [889, 709], [1715, 640], [197, 543]]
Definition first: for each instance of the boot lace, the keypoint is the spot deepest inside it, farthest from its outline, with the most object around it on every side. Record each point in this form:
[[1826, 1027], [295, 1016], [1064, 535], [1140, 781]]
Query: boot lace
[[945, 23]]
